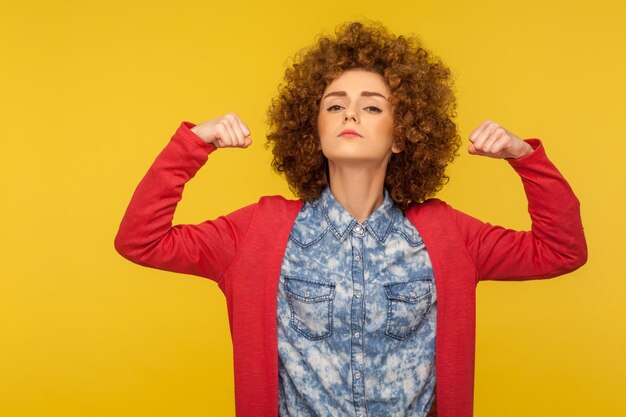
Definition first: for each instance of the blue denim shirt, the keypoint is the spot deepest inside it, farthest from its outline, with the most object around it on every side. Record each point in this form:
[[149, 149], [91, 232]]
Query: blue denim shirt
[[356, 315]]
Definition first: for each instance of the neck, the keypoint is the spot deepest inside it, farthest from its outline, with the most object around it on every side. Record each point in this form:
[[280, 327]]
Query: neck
[[358, 188]]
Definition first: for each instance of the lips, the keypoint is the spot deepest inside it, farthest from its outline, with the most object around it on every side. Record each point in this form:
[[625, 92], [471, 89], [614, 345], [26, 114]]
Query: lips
[[349, 133]]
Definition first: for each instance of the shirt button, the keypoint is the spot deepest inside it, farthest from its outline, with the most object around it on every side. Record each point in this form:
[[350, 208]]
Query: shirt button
[[358, 229], [357, 258], [357, 294], [307, 294], [357, 375], [357, 335], [412, 294]]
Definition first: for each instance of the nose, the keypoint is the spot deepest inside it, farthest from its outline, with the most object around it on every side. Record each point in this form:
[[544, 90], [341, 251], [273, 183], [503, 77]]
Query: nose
[[350, 114]]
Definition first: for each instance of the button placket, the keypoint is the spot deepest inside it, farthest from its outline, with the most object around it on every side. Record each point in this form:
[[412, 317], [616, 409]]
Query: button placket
[[357, 357]]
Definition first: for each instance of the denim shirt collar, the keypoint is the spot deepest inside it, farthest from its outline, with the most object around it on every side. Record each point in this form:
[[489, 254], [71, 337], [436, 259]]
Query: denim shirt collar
[[341, 222]]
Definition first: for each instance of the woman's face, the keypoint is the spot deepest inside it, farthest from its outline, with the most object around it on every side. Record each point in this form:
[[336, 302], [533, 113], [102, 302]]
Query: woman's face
[[356, 100]]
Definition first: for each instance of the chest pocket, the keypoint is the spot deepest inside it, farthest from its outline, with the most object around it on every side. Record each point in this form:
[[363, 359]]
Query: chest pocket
[[311, 306], [407, 304]]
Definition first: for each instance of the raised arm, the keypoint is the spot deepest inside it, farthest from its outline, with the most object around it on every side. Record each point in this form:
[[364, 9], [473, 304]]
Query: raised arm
[[146, 235], [556, 242]]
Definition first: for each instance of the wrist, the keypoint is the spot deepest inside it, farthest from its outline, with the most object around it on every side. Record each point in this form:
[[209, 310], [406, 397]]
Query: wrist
[[525, 151]]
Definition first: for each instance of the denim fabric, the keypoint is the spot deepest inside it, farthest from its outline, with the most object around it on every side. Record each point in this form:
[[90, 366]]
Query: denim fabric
[[356, 315]]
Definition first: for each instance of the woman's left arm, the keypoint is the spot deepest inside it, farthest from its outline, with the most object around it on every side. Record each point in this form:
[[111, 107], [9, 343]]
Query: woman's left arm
[[556, 242]]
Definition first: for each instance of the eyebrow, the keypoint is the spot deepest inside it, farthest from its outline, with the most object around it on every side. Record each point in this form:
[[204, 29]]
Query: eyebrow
[[363, 94]]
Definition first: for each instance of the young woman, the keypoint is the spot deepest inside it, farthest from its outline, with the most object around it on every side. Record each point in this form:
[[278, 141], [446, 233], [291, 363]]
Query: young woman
[[358, 298]]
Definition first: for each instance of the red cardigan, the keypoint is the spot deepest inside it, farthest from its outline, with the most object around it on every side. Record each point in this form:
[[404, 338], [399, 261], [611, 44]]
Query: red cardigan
[[243, 253]]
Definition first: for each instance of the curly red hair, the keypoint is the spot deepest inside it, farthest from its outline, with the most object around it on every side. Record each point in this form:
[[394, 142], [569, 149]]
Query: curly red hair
[[422, 98]]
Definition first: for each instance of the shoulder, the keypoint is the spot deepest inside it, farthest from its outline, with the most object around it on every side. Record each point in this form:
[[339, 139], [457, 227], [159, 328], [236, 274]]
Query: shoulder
[[434, 213], [278, 202], [429, 207], [275, 208]]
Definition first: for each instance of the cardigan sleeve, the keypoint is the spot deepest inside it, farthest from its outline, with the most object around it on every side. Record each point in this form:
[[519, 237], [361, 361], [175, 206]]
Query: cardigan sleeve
[[556, 242], [146, 235]]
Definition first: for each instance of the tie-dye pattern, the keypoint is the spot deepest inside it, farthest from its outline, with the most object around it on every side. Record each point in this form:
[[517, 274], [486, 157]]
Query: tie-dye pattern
[[356, 315]]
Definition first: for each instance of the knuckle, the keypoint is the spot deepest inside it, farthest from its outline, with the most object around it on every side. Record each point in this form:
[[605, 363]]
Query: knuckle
[[224, 135]]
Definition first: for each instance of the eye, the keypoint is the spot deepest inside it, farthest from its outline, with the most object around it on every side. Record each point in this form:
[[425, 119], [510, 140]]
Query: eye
[[334, 107], [374, 109]]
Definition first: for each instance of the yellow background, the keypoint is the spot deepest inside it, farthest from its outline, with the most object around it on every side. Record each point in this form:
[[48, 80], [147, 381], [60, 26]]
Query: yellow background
[[91, 91]]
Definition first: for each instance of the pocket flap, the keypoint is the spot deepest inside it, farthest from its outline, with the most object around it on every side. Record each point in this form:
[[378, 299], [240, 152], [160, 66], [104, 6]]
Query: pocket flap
[[308, 290], [410, 291]]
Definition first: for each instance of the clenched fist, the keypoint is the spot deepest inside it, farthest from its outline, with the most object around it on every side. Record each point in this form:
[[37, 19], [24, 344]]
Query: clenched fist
[[224, 132], [492, 140]]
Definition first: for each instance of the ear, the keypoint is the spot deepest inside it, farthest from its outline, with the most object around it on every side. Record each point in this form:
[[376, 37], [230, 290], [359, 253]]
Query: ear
[[395, 148]]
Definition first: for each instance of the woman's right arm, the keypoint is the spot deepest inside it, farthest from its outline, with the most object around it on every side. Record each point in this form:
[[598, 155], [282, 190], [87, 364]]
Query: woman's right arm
[[146, 235]]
